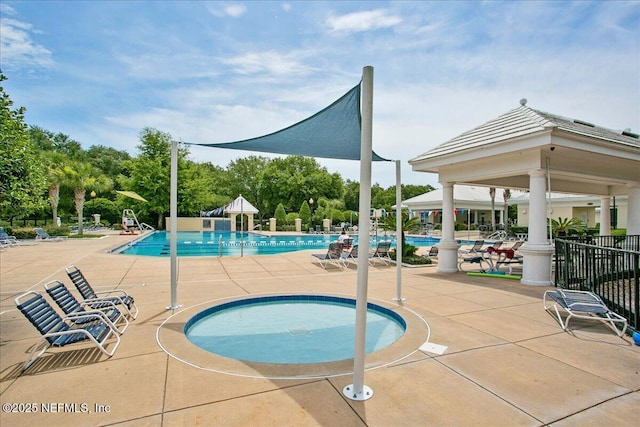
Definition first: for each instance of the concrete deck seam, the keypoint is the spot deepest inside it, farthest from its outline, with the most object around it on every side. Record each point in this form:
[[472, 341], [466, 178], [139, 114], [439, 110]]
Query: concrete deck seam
[[437, 359]]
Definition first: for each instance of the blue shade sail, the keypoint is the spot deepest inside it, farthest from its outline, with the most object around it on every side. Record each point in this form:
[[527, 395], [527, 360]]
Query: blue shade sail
[[332, 133]]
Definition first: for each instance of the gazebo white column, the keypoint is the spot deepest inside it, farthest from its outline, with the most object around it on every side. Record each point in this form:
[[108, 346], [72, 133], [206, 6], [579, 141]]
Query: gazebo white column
[[633, 207], [605, 216], [536, 267], [448, 246]]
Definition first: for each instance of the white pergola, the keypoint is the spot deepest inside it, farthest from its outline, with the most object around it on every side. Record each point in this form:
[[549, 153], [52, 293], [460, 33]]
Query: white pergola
[[532, 150]]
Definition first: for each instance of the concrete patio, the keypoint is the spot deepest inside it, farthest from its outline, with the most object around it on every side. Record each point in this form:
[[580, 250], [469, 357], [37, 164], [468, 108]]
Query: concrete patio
[[507, 363]]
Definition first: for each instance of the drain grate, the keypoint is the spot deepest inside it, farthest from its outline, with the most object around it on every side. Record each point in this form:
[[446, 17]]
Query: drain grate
[[299, 331]]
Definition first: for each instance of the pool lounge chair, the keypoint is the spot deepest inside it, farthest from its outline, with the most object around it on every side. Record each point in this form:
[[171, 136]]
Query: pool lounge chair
[[381, 253], [496, 245], [516, 245], [333, 256], [42, 235], [116, 296], [477, 246], [71, 306], [582, 305], [472, 258], [57, 331], [7, 240], [433, 252], [352, 256], [508, 259]]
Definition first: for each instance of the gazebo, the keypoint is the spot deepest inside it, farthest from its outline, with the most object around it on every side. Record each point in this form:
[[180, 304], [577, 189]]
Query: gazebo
[[240, 206], [540, 152]]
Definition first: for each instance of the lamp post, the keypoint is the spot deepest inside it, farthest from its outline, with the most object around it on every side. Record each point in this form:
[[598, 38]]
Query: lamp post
[[311, 209]]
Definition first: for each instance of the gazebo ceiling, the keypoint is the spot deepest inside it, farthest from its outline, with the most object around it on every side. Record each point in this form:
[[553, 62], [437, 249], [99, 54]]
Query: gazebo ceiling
[[582, 158]]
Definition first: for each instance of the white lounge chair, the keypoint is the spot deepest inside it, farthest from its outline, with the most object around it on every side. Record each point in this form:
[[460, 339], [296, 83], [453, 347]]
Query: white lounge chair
[[582, 305]]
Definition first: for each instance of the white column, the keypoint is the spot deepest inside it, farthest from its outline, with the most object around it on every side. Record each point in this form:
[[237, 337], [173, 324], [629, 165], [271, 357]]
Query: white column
[[536, 268], [605, 216], [633, 207], [448, 246]]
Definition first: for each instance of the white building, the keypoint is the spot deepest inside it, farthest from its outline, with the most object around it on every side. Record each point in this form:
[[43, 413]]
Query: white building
[[472, 205], [587, 209]]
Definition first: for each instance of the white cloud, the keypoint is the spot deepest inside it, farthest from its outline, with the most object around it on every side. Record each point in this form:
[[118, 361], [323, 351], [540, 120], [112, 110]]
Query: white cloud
[[363, 21], [222, 9], [270, 62], [18, 49]]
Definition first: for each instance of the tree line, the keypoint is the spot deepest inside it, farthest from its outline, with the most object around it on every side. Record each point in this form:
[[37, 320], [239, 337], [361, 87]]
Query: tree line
[[48, 174]]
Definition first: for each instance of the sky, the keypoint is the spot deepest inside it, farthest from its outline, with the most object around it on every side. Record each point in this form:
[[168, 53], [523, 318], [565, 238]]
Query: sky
[[206, 72]]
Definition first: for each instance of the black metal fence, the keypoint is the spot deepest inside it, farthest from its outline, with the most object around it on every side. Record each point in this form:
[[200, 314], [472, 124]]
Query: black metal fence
[[606, 265]]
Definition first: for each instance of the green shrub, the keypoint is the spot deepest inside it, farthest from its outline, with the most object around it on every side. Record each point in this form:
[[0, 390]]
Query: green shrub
[[518, 230], [281, 216], [290, 218], [22, 233], [85, 236], [411, 259], [52, 230]]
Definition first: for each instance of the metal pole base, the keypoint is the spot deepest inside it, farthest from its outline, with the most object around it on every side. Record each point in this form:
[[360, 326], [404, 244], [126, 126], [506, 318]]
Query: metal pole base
[[399, 298], [350, 393], [173, 307]]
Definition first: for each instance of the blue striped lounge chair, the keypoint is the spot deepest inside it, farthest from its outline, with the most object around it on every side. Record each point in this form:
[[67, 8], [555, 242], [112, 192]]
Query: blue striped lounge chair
[[57, 331], [71, 306], [102, 299]]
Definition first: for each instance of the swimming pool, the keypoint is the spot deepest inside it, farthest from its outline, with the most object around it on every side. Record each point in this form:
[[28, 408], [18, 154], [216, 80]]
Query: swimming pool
[[289, 329], [234, 243]]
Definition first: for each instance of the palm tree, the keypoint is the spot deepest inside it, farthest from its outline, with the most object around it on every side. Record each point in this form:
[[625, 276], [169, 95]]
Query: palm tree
[[409, 225], [565, 226], [80, 177], [54, 163], [506, 195], [492, 193]]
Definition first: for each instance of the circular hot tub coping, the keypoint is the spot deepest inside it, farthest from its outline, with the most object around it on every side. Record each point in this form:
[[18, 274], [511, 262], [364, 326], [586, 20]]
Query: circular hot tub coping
[[171, 338]]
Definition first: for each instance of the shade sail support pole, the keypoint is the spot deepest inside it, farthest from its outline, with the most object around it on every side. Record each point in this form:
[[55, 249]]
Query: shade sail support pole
[[357, 390], [173, 223], [399, 247]]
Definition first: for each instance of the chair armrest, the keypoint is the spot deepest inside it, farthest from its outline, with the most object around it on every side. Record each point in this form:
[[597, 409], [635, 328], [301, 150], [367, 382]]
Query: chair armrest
[[112, 291]]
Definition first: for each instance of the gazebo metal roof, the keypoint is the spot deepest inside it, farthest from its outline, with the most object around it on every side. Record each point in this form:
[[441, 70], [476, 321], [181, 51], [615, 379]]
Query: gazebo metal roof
[[581, 157]]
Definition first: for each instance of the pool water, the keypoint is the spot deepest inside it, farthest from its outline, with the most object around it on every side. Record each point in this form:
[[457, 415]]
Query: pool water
[[291, 329], [234, 243]]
